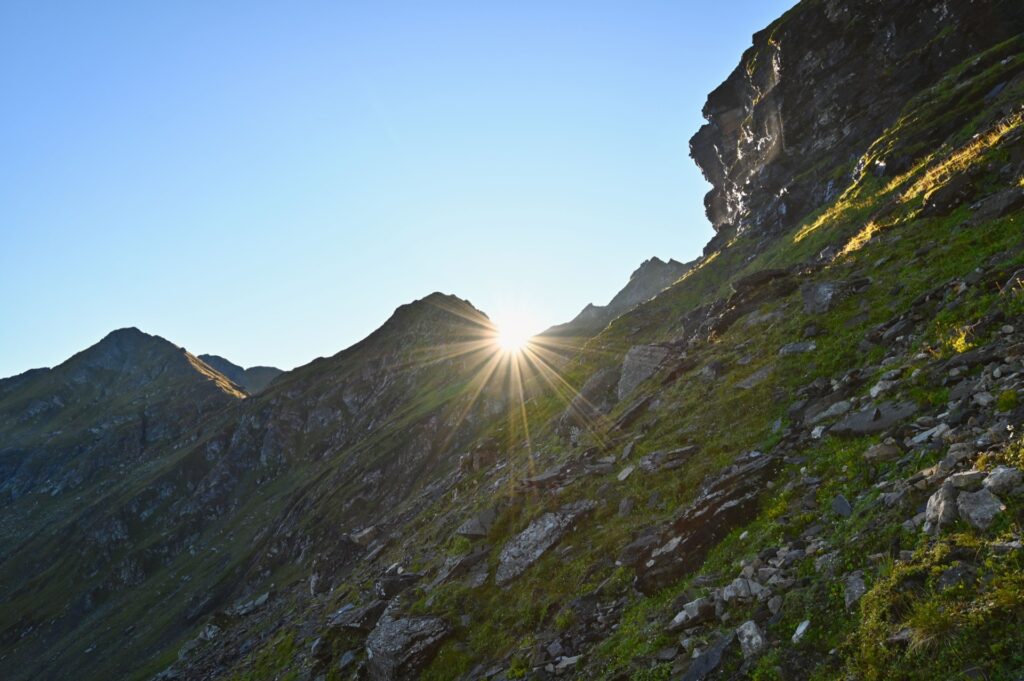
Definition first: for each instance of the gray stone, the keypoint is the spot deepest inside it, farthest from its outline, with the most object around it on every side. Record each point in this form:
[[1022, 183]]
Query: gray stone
[[640, 364], [875, 419], [798, 348], [967, 480], [1002, 479], [941, 509], [528, 546], [801, 629], [709, 660], [399, 649], [882, 452], [854, 588], [751, 638], [820, 297], [841, 506], [478, 526], [979, 508], [693, 613], [756, 378]]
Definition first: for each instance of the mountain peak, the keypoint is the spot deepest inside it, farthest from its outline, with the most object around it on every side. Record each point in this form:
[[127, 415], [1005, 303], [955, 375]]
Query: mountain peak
[[650, 278]]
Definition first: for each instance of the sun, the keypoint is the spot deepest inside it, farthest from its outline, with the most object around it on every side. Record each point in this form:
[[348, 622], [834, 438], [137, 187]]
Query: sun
[[513, 336]]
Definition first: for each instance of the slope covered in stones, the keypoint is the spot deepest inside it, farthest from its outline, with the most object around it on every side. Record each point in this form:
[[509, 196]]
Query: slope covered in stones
[[799, 461]]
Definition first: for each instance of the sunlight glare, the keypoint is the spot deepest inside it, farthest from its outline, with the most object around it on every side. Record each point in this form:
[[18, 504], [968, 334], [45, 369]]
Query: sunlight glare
[[513, 335]]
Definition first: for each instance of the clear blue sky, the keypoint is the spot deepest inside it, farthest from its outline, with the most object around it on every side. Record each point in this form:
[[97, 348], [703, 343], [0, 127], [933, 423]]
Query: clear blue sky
[[268, 181]]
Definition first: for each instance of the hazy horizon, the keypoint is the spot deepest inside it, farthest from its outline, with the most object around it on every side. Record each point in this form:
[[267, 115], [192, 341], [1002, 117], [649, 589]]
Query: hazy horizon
[[269, 185]]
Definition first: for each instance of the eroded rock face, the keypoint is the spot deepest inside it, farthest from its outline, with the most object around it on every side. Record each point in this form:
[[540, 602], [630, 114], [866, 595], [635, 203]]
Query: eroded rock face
[[640, 364], [799, 100], [400, 649], [524, 549], [726, 500]]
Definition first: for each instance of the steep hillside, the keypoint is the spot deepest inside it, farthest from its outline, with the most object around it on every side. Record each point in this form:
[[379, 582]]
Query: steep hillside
[[253, 379], [800, 460]]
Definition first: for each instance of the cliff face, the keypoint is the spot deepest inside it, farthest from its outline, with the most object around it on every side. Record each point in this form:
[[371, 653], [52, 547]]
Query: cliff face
[[791, 123]]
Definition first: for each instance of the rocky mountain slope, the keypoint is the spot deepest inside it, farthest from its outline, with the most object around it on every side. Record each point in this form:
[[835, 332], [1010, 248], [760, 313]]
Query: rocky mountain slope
[[801, 460], [252, 380]]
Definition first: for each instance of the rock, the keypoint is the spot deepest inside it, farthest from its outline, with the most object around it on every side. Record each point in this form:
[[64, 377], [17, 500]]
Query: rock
[[979, 508], [775, 604], [838, 409], [801, 629], [365, 536], [667, 460], [359, 619], [625, 473], [756, 378], [693, 613], [751, 638], [941, 510], [738, 589], [528, 546], [708, 661], [853, 588], [1002, 479], [725, 500], [798, 348], [841, 506], [626, 506], [389, 586], [478, 526], [547, 479], [820, 297], [874, 419], [596, 397], [882, 452], [968, 480], [641, 362], [399, 649]]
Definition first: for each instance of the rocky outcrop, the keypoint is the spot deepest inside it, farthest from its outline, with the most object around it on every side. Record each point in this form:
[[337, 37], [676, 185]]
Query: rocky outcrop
[[641, 362], [528, 546], [818, 86], [725, 500], [399, 649]]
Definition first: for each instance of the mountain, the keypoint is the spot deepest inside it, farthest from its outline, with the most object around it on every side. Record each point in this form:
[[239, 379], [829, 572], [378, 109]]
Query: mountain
[[799, 460], [253, 379], [647, 281]]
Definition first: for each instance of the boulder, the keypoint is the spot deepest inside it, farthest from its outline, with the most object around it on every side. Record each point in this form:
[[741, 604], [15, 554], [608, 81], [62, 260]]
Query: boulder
[[874, 419], [1002, 479], [798, 348], [853, 588], [389, 586], [841, 507], [640, 364], [667, 460], [708, 661], [399, 649], [979, 508], [528, 546], [820, 297], [478, 526], [941, 509], [359, 619], [693, 613], [751, 638]]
